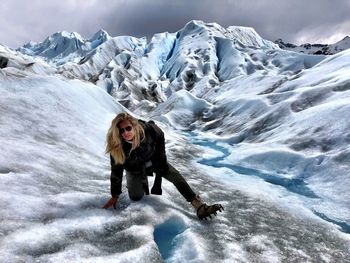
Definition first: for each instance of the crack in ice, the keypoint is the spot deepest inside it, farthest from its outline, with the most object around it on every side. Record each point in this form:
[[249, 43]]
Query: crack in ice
[[295, 185]]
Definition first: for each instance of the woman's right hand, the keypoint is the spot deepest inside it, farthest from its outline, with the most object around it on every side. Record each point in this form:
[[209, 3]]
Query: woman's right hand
[[111, 202]]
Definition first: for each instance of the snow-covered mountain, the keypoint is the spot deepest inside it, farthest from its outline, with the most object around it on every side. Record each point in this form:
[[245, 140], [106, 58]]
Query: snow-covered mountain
[[316, 49], [260, 129]]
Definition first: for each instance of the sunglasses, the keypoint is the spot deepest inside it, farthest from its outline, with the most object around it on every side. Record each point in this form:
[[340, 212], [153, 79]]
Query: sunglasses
[[127, 128]]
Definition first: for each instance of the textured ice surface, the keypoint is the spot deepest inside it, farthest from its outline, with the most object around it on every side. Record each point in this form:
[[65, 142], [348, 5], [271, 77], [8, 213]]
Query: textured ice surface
[[274, 152]]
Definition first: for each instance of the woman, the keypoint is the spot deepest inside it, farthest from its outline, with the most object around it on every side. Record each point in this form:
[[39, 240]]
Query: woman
[[139, 148]]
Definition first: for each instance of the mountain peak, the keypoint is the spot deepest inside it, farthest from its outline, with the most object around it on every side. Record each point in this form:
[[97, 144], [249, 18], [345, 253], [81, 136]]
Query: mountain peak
[[316, 49], [345, 40]]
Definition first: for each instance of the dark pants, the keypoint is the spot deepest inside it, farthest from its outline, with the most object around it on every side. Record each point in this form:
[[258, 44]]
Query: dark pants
[[137, 182]]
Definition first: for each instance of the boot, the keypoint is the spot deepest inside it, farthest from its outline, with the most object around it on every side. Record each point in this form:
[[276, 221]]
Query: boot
[[157, 185], [204, 210]]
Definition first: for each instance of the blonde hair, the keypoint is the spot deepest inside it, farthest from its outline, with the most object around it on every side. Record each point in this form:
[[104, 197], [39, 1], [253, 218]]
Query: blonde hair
[[114, 140]]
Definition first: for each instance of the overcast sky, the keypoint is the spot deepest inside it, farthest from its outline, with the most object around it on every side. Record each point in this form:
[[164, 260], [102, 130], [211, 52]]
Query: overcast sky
[[295, 21]]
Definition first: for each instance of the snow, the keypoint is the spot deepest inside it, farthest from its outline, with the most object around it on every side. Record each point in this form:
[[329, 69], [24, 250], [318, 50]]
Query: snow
[[261, 130]]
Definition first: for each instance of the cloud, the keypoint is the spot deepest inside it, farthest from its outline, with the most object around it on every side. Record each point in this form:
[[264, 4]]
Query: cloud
[[294, 21], [22, 21], [318, 34], [272, 19]]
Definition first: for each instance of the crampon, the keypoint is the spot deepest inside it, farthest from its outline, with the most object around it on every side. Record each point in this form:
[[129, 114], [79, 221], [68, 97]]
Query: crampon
[[204, 211]]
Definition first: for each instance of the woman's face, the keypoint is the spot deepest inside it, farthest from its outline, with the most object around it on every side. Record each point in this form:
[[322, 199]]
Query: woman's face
[[126, 130]]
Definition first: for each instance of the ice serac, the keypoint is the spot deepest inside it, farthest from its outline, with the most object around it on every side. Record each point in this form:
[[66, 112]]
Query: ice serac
[[144, 74], [115, 51], [98, 38], [140, 75], [64, 46], [58, 45], [133, 75], [206, 54]]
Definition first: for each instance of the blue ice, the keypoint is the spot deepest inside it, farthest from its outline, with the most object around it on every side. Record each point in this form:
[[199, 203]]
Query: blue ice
[[165, 236]]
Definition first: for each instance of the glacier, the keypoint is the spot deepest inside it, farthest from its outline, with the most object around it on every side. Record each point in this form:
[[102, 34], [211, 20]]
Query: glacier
[[262, 130]]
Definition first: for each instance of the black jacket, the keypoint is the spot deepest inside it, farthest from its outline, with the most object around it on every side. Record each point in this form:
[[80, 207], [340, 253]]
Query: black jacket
[[152, 148]]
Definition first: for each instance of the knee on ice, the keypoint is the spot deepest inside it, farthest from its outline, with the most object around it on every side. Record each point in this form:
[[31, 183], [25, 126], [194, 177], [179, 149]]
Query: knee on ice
[[134, 197]]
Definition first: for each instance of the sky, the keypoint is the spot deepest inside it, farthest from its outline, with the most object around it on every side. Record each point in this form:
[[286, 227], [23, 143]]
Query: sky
[[297, 21]]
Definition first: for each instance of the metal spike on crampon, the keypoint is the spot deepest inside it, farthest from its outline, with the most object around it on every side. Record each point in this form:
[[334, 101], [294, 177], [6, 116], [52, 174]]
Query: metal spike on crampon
[[205, 211]]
